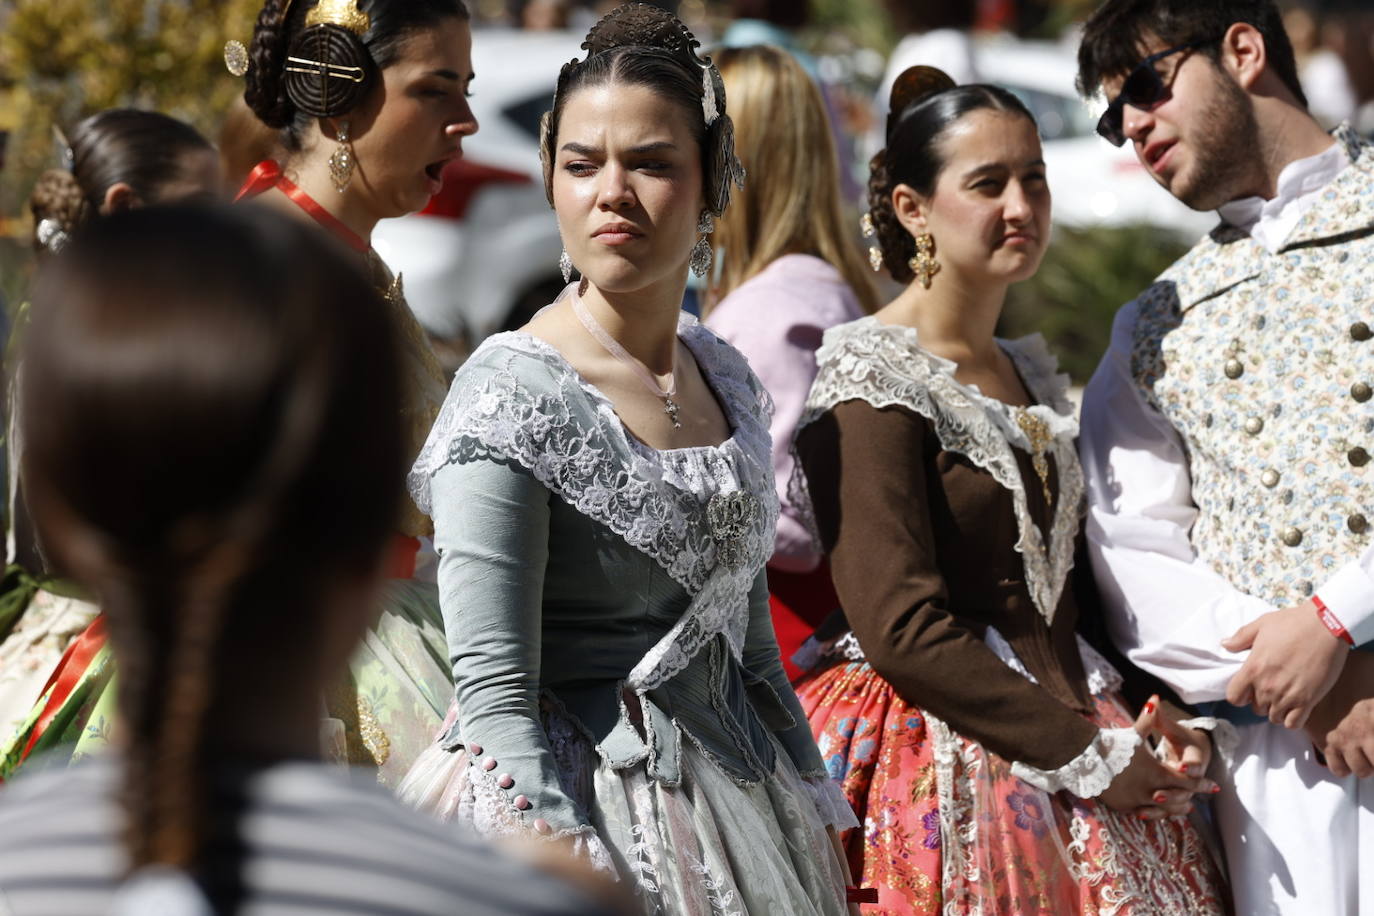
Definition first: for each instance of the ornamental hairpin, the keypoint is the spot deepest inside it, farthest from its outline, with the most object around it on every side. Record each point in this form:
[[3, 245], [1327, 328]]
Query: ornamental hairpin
[[51, 235]]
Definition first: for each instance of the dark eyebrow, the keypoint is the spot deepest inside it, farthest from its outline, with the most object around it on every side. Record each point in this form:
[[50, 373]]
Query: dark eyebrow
[[449, 75], [580, 149], [656, 147], [997, 167]]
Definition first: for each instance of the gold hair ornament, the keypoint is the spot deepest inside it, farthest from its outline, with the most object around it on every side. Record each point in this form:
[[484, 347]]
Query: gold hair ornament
[[342, 13], [235, 57]]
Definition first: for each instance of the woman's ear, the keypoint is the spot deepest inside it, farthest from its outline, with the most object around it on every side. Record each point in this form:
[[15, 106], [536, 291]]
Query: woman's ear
[[118, 198], [910, 208]]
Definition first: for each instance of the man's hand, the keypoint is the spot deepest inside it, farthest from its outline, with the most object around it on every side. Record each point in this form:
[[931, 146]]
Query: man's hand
[[1294, 660], [1342, 725]]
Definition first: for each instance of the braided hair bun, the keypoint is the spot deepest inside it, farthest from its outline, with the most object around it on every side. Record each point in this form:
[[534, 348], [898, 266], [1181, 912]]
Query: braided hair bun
[[57, 197], [297, 70], [339, 75]]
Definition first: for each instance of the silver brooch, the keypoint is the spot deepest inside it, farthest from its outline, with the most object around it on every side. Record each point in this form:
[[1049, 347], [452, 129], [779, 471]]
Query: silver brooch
[[729, 516]]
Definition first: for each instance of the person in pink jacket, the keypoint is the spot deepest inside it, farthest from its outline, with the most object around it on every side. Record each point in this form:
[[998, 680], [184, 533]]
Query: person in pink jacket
[[789, 271]]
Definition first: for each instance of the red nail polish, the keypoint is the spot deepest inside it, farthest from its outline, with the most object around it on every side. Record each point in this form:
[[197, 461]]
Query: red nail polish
[[1149, 708], [1215, 789], [1160, 798]]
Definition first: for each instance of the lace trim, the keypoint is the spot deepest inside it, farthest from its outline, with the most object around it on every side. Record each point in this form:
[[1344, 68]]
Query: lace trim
[[885, 366], [492, 815], [1090, 773], [567, 435], [1102, 675], [814, 653], [834, 809]]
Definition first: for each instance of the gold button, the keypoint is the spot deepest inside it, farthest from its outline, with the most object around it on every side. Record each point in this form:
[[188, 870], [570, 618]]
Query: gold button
[[1270, 478], [1234, 368], [1254, 426], [1291, 536], [1358, 457], [1360, 331], [1361, 392], [1357, 524]]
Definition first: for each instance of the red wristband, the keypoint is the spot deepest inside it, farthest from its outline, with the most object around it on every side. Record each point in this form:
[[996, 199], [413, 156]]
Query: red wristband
[[1331, 622]]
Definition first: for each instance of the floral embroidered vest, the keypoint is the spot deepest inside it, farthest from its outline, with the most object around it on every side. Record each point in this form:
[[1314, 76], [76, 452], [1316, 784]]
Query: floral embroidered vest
[[1264, 364]]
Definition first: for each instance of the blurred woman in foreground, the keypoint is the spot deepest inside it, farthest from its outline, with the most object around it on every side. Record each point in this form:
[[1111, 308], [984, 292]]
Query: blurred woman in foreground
[[789, 271], [197, 383]]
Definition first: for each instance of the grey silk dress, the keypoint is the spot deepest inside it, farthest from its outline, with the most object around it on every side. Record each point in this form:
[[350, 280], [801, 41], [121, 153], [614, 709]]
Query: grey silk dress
[[617, 679]]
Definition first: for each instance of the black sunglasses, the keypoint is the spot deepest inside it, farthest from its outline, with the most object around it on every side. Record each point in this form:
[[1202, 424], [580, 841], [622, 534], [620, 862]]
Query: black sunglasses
[[1142, 88]]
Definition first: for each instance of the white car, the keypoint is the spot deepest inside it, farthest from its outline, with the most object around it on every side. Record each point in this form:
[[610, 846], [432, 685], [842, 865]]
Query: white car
[[1093, 182], [483, 256]]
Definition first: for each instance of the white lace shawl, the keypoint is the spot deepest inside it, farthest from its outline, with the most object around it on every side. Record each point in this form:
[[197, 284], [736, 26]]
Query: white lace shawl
[[517, 399], [885, 366]]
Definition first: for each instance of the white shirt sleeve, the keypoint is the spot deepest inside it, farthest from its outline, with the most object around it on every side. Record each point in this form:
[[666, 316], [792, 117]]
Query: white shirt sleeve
[[1349, 595], [1167, 609]]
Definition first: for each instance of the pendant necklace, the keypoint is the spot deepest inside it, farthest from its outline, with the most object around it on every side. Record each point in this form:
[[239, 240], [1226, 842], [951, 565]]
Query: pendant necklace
[[613, 347], [1037, 433]]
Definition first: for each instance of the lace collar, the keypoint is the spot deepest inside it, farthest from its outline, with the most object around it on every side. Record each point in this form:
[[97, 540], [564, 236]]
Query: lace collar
[[518, 399], [886, 366]]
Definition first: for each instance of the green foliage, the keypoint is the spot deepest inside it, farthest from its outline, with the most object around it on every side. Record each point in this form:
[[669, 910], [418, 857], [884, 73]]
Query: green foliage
[[65, 59], [1086, 276]]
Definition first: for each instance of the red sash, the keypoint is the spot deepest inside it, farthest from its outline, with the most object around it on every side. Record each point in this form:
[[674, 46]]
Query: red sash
[[268, 174], [66, 676]]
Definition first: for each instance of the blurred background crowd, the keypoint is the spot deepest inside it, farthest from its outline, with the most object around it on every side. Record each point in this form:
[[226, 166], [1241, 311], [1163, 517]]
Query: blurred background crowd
[[1115, 230]]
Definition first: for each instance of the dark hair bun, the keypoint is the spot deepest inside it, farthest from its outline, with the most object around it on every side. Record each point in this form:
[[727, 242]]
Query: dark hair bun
[[643, 25], [57, 196], [911, 86], [331, 73]]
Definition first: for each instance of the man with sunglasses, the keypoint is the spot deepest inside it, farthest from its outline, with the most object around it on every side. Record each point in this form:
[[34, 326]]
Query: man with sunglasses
[[1227, 437]]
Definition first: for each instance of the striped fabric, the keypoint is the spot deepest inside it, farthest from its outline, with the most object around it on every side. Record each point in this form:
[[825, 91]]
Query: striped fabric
[[313, 839]]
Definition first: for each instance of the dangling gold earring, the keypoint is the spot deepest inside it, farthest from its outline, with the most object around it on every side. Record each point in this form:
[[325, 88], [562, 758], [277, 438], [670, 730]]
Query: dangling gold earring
[[875, 254], [924, 265], [341, 162]]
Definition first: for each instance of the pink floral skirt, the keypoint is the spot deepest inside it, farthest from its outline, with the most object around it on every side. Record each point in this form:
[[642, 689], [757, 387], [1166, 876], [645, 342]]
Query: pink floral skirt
[[946, 827]]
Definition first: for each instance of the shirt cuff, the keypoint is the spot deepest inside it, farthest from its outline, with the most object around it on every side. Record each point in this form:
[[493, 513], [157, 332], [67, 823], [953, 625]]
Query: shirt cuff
[[1090, 773], [831, 805], [1225, 740], [1349, 596]]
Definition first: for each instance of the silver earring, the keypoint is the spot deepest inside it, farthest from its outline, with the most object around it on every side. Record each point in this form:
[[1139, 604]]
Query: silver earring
[[565, 264], [701, 251], [341, 163]]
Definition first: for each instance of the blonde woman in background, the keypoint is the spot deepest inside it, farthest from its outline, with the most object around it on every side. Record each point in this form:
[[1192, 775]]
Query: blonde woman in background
[[789, 270]]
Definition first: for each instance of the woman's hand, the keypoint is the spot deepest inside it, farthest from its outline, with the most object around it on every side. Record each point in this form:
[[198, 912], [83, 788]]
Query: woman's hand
[[1151, 788]]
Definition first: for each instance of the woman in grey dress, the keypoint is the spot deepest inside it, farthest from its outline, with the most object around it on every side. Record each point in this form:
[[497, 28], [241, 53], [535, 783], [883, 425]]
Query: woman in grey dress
[[601, 487]]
